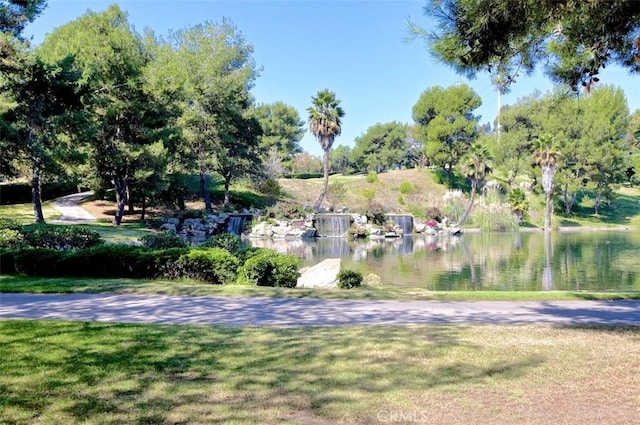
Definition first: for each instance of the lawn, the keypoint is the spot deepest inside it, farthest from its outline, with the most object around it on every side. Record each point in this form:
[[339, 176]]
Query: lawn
[[18, 284], [23, 213], [63, 372]]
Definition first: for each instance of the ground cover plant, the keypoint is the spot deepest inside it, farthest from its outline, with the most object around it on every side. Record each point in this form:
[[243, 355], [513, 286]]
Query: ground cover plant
[[64, 372]]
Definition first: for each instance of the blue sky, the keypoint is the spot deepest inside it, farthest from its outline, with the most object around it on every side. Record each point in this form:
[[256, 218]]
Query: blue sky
[[356, 48]]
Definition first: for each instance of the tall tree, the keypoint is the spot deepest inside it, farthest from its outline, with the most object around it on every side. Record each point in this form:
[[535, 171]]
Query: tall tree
[[43, 97], [381, 147], [282, 128], [325, 122], [445, 124], [546, 157], [120, 114], [209, 70], [15, 14], [475, 165], [573, 38]]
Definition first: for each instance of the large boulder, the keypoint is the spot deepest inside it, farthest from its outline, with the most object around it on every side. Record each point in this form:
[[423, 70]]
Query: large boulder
[[322, 275]]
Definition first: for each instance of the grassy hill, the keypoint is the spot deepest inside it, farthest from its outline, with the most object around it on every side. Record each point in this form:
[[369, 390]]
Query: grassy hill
[[396, 191]]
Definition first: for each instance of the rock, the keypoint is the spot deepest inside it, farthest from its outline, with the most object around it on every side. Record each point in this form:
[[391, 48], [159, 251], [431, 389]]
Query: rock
[[261, 230], [280, 231], [173, 220], [372, 280], [322, 275], [169, 227]]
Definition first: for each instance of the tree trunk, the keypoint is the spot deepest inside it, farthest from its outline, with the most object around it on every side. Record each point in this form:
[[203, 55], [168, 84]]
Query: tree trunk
[[144, 208], [203, 188], [120, 186], [203, 179], [474, 185], [596, 206], [181, 204], [325, 183], [227, 182], [547, 212], [569, 200], [36, 190], [131, 208]]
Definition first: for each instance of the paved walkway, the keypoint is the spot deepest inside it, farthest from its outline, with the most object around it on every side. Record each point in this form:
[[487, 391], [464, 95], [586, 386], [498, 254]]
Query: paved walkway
[[72, 213], [309, 312]]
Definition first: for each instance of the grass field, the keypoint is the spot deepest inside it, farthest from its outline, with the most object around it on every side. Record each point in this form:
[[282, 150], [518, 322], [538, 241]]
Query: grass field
[[18, 284], [63, 372]]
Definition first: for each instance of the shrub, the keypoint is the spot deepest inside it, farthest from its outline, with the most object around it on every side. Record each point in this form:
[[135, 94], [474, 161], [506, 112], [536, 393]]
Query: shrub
[[406, 187], [111, 260], [163, 240], [11, 239], [269, 268], [433, 213], [37, 262], [9, 224], [213, 265], [285, 210], [348, 279], [269, 188], [228, 241], [61, 238], [372, 177], [376, 214]]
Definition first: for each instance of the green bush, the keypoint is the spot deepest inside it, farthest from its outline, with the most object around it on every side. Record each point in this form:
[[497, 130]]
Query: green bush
[[110, 261], [269, 268], [285, 210], [406, 188], [372, 177], [37, 262], [348, 279], [213, 265], [60, 238], [7, 261], [163, 240], [304, 176], [9, 224], [12, 239], [228, 241]]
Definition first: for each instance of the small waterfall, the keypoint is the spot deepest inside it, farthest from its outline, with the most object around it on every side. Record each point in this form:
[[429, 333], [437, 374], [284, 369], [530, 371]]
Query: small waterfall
[[332, 225], [237, 223], [405, 221]]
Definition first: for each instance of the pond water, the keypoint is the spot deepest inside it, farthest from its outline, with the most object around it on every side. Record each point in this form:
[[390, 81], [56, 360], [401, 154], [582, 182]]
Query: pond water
[[531, 261]]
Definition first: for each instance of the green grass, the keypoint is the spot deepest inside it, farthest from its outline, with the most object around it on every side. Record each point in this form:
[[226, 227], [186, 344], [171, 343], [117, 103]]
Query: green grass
[[62, 372], [624, 212], [23, 213], [125, 233], [17, 284]]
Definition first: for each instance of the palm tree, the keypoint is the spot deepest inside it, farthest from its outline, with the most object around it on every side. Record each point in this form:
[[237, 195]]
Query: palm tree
[[475, 165], [547, 159], [325, 123]]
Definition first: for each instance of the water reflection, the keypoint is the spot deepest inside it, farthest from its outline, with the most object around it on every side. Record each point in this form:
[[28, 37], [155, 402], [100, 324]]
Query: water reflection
[[486, 261]]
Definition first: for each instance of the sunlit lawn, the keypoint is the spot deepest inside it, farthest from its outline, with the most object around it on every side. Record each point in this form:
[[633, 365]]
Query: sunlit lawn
[[18, 284], [23, 213], [62, 372]]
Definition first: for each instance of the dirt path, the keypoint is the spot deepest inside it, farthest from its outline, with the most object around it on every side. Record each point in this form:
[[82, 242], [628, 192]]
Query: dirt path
[[309, 312]]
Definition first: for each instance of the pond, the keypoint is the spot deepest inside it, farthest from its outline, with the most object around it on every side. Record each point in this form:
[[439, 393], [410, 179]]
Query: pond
[[524, 261]]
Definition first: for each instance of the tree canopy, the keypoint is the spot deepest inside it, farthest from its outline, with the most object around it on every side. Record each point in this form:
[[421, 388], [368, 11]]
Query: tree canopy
[[574, 39]]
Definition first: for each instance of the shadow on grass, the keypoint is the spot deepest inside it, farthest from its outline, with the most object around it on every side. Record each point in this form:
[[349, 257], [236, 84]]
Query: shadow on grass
[[70, 372]]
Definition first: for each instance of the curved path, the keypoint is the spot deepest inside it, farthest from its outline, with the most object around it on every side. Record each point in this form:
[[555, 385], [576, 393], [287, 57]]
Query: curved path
[[309, 312], [72, 212]]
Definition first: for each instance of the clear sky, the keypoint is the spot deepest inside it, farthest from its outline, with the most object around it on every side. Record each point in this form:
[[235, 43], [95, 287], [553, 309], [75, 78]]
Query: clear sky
[[356, 48]]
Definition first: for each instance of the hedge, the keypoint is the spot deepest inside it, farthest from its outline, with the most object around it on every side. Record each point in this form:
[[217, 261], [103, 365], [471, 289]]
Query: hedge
[[20, 193]]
